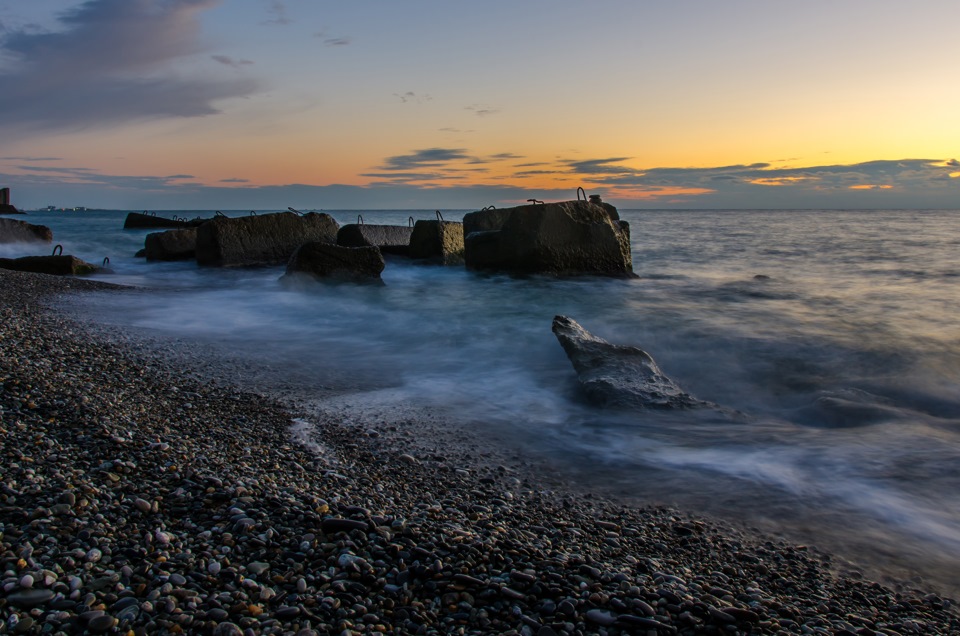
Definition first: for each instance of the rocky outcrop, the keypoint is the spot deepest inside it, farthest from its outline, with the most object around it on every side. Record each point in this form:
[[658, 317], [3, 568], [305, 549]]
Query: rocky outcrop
[[268, 239], [336, 263], [57, 265], [144, 221], [172, 245], [13, 231], [617, 376], [437, 241], [391, 239], [564, 239]]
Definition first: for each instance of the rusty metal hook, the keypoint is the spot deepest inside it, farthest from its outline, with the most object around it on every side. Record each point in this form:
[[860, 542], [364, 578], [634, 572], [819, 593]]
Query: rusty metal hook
[[579, 190], [439, 216], [535, 201], [57, 250], [359, 219], [410, 221], [106, 261]]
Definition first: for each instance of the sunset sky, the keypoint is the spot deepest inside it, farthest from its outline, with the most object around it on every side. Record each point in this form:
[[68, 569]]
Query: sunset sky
[[236, 104]]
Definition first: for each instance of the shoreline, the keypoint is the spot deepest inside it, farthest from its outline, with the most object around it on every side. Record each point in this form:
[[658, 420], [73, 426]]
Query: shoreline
[[138, 494]]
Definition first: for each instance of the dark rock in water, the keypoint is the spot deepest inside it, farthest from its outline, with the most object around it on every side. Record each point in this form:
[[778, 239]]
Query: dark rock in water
[[139, 220], [437, 241], [172, 245], [142, 220], [618, 376], [268, 239], [569, 238], [13, 231], [56, 265], [850, 408], [391, 239], [141, 253], [337, 263]]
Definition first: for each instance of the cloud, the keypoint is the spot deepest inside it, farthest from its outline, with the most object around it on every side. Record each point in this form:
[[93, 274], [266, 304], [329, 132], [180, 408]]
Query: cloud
[[502, 156], [229, 61], [111, 63], [234, 180], [437, 178], [482, 110], [38, 159], [410, 96], [277, 10], [337, 42], [427, 158]]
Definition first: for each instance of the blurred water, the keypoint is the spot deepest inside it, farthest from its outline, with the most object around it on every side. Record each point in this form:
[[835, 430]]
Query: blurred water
[[834, 333]]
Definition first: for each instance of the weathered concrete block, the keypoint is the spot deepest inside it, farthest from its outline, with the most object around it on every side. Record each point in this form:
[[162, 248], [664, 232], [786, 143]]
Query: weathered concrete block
[[438, 241], [172, 245], [391, 239], [569, 238], [268, 239]]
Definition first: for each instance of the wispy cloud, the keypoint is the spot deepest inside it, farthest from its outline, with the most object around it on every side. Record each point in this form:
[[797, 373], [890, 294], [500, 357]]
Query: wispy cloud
[[426, 158], [482, 110], [37, 159], [229, 61], [235, 180], [111, 62]]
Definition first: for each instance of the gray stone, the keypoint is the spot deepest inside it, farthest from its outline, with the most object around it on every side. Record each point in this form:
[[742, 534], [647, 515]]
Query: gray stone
[[268, 239], [172, 245], [568, 238], [29, 597], [618, 376], [324, 261]]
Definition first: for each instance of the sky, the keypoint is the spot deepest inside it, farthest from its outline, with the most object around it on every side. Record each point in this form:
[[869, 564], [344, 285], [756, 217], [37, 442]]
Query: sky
[[421, 104]]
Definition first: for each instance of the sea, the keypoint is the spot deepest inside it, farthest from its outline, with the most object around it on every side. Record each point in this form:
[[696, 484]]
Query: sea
[[830, 338]]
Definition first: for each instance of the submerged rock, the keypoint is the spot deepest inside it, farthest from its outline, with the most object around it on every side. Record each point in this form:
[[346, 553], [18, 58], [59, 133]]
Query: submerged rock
[[617, 376], [324, 261], [142, 220], [13, 231]]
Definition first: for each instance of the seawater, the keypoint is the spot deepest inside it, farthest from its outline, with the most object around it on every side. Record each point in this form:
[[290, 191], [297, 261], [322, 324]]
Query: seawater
[[833, 334]]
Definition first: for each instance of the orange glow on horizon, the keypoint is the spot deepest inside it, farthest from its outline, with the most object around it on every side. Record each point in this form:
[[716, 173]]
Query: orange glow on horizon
[[865, 186], [778, 181]]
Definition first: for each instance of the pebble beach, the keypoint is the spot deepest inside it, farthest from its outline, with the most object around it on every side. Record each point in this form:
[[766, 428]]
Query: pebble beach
[[141, 495]]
